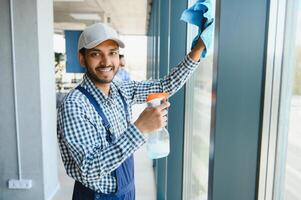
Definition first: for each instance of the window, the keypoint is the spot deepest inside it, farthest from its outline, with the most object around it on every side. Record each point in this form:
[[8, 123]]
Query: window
[[197, 126], [280, 172], [291, 122]]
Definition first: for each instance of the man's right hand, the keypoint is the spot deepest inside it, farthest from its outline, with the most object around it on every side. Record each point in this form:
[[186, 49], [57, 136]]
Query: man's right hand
[[153, 118]]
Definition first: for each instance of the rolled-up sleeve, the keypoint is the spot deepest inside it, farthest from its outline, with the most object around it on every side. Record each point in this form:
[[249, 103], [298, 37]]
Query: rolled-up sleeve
[[137, 91]]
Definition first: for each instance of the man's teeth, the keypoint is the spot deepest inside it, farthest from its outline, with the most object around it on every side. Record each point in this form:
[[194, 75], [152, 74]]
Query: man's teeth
[[105, 69]]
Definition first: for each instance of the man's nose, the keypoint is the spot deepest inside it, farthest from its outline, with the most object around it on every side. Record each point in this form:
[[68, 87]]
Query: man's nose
[[106, 61]]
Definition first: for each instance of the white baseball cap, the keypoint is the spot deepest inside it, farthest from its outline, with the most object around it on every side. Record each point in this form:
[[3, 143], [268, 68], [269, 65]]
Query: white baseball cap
[[95, 34]]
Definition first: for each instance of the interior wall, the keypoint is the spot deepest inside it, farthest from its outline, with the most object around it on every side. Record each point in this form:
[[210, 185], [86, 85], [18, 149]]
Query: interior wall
[[35, 85]]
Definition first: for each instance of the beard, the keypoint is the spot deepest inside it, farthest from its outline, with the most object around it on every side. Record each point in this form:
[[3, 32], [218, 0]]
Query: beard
[[92, 75], [95, 78]]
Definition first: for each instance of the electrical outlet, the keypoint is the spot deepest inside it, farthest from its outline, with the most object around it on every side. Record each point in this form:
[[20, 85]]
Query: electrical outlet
[[19, 184]]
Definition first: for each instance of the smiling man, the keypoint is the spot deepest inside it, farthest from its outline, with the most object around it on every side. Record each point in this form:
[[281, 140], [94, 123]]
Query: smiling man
[[101, 62], [96, 136]]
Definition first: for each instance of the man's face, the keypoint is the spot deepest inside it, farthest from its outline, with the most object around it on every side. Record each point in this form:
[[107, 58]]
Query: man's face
[[122, 62], [101, 62]]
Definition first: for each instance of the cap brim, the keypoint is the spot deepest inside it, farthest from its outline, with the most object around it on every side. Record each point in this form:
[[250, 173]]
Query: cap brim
[[95, 43]]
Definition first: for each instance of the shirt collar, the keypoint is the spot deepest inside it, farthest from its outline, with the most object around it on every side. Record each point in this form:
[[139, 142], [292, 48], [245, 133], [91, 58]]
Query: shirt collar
[[97, 93]]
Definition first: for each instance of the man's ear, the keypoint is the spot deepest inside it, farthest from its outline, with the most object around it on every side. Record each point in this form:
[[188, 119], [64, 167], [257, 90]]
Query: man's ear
[[81, 59]]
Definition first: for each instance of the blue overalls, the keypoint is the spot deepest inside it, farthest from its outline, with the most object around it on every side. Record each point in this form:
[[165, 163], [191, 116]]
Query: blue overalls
[[124, 174]]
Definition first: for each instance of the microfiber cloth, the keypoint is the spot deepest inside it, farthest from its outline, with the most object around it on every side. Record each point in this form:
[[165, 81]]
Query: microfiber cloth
[[200, 14]]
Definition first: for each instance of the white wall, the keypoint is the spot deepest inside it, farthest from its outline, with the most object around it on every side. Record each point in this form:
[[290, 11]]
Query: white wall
[[36, 99]]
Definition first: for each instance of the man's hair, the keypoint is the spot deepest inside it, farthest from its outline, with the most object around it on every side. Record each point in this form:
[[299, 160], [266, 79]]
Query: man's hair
[[121, 56], [82, 51]]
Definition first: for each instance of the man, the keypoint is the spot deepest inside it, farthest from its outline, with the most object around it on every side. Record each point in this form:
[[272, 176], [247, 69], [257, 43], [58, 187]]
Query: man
[[96, 137], [122, 74]]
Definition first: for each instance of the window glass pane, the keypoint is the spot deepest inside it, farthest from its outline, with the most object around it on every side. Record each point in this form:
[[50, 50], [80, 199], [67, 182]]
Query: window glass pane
[[197, 133], [200, 122], [293, 162]]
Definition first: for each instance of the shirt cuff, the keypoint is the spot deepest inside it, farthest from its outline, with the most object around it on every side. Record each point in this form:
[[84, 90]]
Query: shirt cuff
[[190, 63], [135, 137]]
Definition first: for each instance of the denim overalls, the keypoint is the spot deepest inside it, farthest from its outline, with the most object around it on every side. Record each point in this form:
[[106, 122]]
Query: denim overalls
[[124, 174]]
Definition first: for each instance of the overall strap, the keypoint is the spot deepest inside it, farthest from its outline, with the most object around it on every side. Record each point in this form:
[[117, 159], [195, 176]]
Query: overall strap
[[96, 106], [111, 138]]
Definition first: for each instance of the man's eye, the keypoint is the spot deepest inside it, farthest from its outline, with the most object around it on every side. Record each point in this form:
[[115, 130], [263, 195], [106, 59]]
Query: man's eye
[[114, 53], [94, 54]]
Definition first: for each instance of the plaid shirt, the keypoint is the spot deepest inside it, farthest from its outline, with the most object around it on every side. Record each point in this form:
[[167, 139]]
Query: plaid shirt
[[87, 156]]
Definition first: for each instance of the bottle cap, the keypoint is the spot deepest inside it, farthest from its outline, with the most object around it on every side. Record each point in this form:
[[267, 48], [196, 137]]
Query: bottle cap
[[153, 96]]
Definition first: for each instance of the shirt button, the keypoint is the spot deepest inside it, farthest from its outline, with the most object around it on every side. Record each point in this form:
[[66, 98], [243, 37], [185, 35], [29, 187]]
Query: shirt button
[[109, 102]]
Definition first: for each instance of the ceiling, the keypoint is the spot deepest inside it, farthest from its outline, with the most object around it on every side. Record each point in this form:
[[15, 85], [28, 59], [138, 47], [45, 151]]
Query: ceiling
[[128, 17]]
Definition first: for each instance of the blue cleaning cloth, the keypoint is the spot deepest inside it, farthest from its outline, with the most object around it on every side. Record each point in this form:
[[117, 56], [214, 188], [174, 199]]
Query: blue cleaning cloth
[[200, 14]]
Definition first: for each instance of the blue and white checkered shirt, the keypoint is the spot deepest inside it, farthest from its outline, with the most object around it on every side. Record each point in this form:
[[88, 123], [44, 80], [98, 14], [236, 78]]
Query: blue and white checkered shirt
[[87, 156]]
